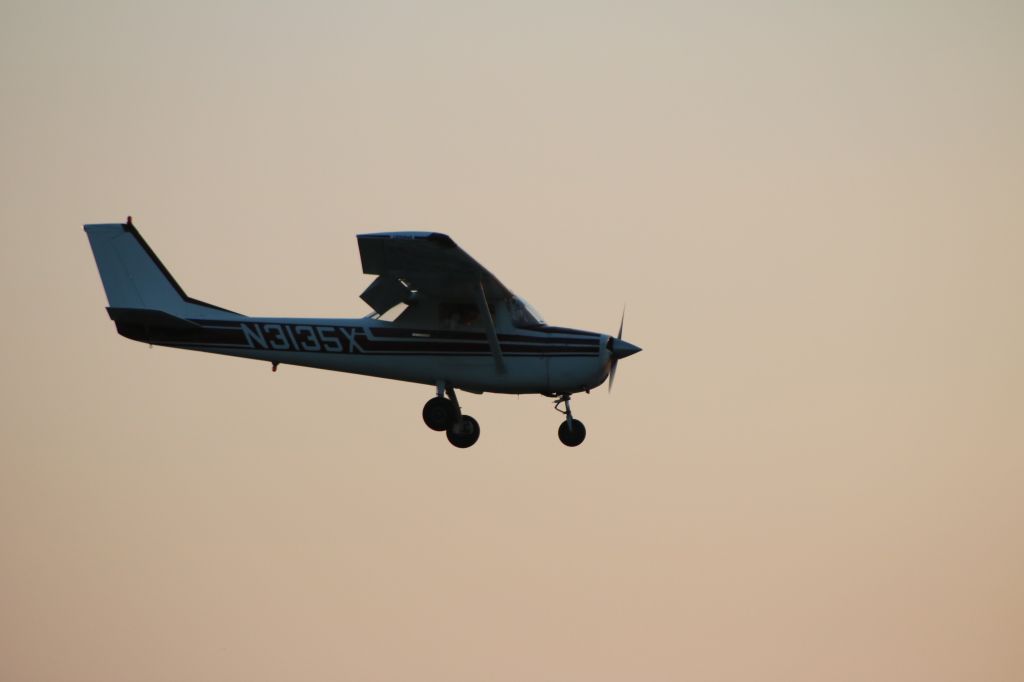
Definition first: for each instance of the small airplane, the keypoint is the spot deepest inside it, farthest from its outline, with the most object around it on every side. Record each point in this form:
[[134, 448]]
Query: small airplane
[[460, 329]]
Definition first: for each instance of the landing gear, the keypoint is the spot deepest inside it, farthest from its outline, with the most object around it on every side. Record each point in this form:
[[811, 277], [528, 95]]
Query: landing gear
[[572, 435], [572, 431], [444, 414], [439, 413], [464, 433]]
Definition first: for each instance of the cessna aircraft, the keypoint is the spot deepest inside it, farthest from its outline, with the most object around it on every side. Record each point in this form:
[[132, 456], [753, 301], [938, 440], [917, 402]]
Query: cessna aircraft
[[461, 328]]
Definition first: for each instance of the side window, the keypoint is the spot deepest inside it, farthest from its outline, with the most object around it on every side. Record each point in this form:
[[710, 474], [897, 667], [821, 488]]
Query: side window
[[521, 316], [458, 315]]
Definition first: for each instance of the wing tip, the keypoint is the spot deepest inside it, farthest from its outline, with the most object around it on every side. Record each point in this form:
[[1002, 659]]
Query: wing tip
[[437, 237]]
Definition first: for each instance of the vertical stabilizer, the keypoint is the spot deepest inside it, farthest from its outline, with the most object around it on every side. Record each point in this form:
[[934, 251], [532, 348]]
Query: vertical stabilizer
[[133, 276]]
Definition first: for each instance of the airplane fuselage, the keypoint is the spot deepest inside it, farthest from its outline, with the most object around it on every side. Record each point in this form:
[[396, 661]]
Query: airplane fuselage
[[460, 327], [548, 360]]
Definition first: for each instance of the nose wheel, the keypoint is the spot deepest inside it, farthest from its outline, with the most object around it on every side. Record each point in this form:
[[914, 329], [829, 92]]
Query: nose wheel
[[572, 431]]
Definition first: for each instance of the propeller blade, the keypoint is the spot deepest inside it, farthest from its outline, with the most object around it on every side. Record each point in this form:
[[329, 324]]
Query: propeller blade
[[619, 349], [615, 360]]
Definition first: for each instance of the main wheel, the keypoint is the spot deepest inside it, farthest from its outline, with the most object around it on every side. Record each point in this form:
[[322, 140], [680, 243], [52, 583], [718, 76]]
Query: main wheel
[[465, 434], [438, 413], [574, 436]]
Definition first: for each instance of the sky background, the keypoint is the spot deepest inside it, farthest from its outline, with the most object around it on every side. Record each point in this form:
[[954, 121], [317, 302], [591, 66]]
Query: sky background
[[814, 214]]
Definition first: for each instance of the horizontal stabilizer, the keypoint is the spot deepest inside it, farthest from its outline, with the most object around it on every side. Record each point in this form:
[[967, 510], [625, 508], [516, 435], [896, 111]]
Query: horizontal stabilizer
[[145, 317], [156, 326]]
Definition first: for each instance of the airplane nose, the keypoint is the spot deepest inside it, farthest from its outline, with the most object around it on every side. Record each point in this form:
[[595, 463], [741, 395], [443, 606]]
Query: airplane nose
[[623, 349]]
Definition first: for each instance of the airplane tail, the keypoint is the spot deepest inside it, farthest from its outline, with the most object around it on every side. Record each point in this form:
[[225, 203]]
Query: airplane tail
[[134, 278]]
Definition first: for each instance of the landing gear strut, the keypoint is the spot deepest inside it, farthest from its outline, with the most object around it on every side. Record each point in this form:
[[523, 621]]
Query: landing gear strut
[[444, 414], [572, 431]]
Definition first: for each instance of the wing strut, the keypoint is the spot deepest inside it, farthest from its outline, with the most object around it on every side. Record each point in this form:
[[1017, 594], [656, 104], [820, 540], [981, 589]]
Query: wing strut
[[492, 334]]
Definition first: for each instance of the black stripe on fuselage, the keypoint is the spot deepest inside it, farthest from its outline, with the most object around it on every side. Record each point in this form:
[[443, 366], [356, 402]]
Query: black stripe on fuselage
[[389, 353], [581, 338], [328, 338]]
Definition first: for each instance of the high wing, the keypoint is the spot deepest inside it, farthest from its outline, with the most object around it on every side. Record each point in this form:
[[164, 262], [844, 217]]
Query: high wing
[[429, 263], [435, 268]]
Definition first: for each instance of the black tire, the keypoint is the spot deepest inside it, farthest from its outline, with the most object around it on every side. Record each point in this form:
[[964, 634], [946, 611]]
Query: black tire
[[438, 413], [467, 435], [575, 436]]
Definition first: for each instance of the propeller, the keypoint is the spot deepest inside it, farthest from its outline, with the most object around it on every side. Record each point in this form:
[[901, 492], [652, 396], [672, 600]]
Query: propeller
[[619, 349]]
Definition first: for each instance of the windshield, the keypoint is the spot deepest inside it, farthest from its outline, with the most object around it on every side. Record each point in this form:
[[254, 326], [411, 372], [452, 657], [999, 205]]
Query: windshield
[[523, 314]]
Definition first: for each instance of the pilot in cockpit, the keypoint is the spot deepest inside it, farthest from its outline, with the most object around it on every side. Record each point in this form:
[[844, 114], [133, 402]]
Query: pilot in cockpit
[[458, 315]]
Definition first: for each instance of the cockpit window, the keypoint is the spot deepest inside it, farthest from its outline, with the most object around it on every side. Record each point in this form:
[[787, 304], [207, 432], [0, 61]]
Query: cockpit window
[[458, 315], [523, 314]]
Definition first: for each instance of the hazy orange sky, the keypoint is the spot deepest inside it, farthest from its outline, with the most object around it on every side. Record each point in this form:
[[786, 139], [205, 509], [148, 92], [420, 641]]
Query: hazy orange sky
[[815, 215]]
